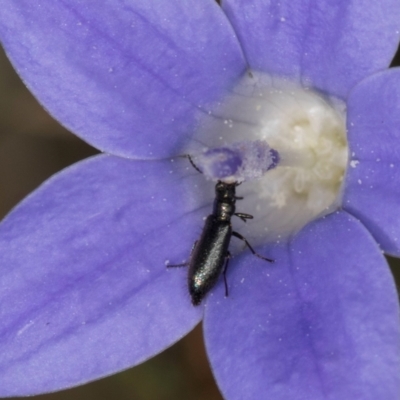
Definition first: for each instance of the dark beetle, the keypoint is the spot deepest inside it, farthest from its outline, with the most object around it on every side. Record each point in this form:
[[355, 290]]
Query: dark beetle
[[210, 254]]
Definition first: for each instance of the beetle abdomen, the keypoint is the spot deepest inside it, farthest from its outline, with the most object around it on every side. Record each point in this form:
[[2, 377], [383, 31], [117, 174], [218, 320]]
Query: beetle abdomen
[[208, 257]]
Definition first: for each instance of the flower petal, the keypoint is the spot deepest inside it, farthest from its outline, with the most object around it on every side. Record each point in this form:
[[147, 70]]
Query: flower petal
[[319, 42], [321, 323], [83, 283], [132, 78], [373, 179]]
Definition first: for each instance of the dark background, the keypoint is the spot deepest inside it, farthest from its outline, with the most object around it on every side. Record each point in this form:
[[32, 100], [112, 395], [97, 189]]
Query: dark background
[[33, 146]]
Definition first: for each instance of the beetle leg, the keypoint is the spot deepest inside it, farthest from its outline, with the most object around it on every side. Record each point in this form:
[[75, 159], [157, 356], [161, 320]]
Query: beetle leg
[[243, 216], [239, 236], [228, 256], [186, 263], [177, 265]]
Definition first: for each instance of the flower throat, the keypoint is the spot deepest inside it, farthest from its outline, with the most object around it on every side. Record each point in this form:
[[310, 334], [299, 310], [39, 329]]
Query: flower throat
[[295, 139]]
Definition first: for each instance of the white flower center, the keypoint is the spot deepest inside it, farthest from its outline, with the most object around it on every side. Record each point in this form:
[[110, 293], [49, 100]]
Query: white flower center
[[308, 131]]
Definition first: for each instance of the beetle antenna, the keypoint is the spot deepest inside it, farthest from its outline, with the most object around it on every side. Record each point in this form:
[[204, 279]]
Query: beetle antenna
[[193, 164]]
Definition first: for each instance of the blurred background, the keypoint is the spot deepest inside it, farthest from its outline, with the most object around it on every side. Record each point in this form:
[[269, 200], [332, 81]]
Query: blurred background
[[33, 146]]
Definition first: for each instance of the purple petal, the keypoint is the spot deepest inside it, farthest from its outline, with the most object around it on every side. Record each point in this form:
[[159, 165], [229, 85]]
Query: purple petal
[[329, 44], [373, 178], [131, 78], [321, 323], [84, 287]]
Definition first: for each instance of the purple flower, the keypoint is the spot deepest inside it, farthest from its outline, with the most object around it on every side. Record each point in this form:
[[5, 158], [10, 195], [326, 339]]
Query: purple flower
[[83, 283]]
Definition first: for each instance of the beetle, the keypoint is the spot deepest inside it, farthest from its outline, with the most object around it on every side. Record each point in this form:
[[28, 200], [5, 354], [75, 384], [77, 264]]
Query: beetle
[[210, 254]]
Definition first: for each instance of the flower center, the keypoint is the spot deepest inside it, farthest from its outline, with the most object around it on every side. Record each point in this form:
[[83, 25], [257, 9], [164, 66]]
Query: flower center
[[306, 128]]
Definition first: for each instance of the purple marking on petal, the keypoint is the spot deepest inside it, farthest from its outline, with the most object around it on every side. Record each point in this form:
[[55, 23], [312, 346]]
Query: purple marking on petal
[[372, 188], [275, 159], [320, 323], [133, 78], [83, 284], [219, 163], [320, 43], [240, 161]]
